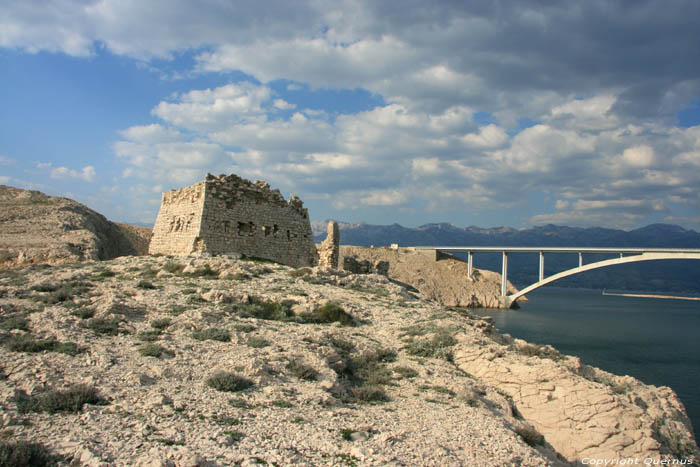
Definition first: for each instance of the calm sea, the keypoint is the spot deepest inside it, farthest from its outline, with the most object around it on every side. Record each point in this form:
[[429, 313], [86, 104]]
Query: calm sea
[[655, 340]]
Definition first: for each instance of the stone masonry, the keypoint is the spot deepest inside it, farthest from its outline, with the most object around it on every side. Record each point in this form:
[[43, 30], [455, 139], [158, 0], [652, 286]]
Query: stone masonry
[[230, 215], [329, 250]]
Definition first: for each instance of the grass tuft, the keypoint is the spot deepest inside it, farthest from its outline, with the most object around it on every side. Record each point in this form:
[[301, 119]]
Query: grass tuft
[[302, 370], [107, 327], [330, 313]]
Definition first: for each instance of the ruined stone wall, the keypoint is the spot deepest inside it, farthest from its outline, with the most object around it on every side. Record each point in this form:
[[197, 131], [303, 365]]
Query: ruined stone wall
[[177, 227], [235, 216]]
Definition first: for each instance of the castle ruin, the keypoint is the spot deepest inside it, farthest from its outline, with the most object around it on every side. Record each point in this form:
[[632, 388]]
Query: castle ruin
[[230, 215]]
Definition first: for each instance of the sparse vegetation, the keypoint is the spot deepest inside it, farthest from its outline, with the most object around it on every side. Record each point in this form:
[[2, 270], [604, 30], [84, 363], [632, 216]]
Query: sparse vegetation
[[302, 371], [155, 350], [528, 433], [281, 403], [146, 285], [107, 327], [83, 313], [228, 382], [24, 453], [17, 321], [161, 324], [54, 401], [26, 343], [268, 310], [151, 335], [244, 327], [329, 313], [205, 272], [541, 351], [59, 294], [438, 346], [174, 268], [214, 334], [405, 372], [257, 342]]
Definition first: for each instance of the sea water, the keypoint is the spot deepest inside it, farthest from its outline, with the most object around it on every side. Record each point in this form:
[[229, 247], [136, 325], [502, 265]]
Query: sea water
[[655, 340]]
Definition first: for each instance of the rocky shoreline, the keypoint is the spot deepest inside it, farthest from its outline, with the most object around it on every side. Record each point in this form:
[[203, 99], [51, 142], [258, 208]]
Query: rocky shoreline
[[224, 361]]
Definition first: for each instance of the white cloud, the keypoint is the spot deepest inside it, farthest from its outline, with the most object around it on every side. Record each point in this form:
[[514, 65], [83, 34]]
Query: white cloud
[[283, 105], [87, 173], [5, 160], [5, 179], [489, 136], [638, 156]]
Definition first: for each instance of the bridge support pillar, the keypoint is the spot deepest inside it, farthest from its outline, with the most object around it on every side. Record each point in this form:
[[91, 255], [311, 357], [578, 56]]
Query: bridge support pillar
[[541, 265], [504, 274], [470, 265], [580, 258]]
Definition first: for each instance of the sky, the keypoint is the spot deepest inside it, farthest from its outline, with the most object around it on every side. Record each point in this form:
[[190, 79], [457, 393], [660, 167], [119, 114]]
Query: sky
[[510, 112]]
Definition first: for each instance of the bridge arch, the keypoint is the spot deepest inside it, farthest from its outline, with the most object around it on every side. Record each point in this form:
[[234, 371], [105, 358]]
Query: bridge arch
[[647, 256]]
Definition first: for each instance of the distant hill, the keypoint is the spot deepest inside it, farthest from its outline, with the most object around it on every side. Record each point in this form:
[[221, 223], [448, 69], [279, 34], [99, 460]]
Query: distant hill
[[678, 276]]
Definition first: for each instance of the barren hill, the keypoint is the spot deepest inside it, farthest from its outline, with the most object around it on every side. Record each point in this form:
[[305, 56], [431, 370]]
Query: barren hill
[[37, 228]]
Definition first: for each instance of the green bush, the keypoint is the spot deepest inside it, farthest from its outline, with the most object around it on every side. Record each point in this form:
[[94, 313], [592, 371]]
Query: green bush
[[155, 350], [108, 327], [244, 327], [257, 342], [173, 267], [151, 335], [368, 393], [329, 313], [83, 313], [105, 273], [214, 334], [268, 310], [438, 346], [228, 382], [405, 372], [160, 323], [65, 292], [146, 285], [14, 321], [302, 370], [26, 343], [24, 453], [54, 401]]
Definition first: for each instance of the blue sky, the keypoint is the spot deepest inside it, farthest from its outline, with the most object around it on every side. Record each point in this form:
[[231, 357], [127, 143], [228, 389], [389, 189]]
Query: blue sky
[[520, 113]]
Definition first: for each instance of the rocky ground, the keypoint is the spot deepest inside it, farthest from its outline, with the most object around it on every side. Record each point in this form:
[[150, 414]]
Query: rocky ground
[[158, 361]]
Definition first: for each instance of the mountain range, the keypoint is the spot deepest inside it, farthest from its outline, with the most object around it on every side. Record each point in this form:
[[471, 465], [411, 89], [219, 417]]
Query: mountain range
[[677, 276]]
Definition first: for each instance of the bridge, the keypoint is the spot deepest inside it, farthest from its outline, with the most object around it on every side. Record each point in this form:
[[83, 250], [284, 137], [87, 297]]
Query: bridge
[[624, 255]]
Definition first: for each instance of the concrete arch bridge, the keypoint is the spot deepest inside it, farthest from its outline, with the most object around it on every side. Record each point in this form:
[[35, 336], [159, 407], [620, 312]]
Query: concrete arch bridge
[[624, 255]]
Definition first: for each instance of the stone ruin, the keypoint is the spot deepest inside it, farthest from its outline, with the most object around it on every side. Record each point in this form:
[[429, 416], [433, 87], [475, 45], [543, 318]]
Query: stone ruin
[[329, 250], [230, 215]]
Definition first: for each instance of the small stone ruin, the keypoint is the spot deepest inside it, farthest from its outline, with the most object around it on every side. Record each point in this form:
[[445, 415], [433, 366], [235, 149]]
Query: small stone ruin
[[329, 250], [231, 215]]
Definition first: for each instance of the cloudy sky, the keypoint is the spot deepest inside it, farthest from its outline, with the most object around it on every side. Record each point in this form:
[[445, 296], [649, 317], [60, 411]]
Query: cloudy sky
[[517, 113]]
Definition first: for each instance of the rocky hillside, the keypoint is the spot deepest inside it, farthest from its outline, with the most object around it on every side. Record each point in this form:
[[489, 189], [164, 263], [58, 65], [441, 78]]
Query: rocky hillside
[[36, 228], [155, 361], [444, 281]]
